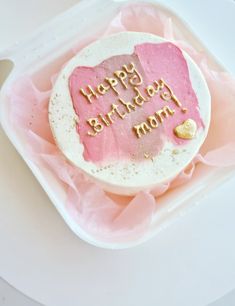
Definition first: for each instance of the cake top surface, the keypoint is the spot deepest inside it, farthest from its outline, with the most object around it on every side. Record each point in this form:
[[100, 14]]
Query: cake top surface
[[131, 110]]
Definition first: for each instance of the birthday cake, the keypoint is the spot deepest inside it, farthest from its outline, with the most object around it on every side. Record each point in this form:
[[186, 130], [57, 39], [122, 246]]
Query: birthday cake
[[131, 111]]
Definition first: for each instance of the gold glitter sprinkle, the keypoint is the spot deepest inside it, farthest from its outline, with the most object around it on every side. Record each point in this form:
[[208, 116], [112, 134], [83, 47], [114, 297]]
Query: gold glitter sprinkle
[[184, 110], [175, 151], [146, 155]]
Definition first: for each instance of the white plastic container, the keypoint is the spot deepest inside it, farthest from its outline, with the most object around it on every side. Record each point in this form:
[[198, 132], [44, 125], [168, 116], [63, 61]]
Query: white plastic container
[[53, 41]]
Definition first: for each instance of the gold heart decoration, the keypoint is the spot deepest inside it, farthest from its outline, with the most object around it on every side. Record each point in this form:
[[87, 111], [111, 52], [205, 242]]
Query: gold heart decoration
[[186, 130]]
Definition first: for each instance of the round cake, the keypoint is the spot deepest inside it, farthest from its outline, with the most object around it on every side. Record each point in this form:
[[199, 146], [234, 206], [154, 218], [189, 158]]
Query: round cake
[[131, 111]]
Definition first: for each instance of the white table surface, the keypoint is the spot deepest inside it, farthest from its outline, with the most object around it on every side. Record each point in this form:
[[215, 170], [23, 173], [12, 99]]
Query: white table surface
[[192, 263]]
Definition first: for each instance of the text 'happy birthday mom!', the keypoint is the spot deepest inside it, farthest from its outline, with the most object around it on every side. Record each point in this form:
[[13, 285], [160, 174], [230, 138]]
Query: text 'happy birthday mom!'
[[129, 77]]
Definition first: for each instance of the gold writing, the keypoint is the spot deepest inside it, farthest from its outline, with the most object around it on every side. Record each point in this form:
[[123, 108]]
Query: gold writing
[[153, 122], [129, 76]]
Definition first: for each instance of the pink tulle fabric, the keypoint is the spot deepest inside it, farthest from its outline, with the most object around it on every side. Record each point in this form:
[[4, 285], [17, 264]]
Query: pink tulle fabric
[[107, 216]]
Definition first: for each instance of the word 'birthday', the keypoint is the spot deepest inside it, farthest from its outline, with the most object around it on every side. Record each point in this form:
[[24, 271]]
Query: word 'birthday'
[[129, 76]]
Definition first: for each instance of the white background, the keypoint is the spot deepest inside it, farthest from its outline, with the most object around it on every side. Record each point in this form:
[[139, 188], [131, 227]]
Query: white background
[[191, 263]]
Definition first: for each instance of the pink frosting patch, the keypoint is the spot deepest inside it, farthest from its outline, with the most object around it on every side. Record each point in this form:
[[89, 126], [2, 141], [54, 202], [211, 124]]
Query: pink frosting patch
[[153, 62]]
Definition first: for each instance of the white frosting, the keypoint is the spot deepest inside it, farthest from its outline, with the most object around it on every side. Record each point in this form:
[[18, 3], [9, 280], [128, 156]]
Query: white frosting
[[123, 177]]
